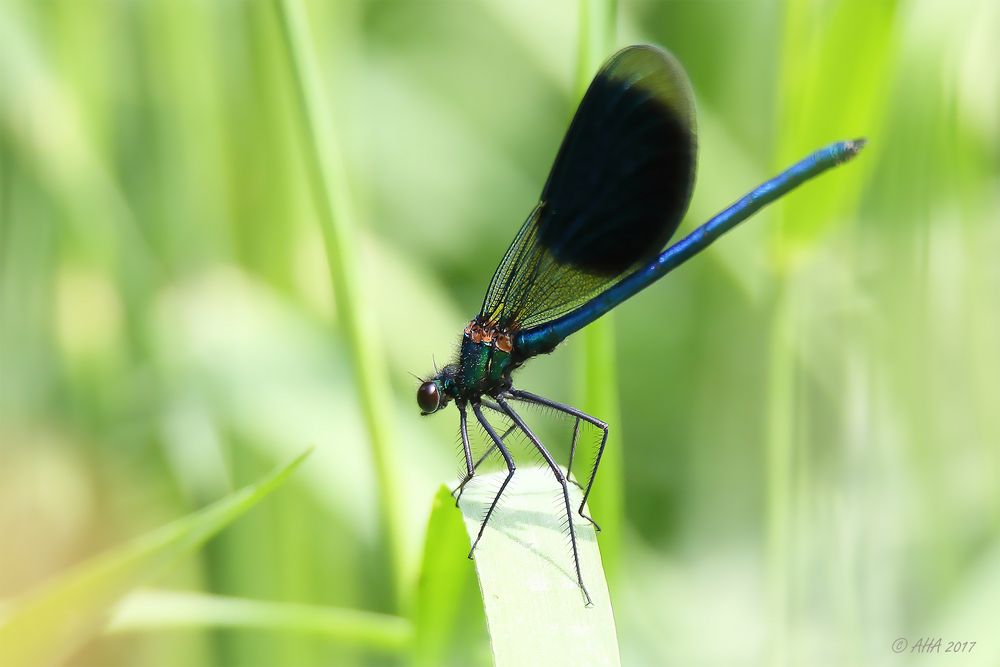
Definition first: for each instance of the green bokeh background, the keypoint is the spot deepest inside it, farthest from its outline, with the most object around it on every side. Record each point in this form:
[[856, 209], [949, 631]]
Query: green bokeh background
[[809, 430]]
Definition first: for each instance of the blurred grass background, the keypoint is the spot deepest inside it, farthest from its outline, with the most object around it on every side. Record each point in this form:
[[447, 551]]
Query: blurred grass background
[[809, 418]]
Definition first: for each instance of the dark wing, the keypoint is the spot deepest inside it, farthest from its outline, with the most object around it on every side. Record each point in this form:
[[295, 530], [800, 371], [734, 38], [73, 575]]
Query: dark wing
[[619, 187]]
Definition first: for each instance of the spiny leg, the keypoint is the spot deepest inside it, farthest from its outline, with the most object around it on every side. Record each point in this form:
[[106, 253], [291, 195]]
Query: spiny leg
[[503, 436], [498, 442], [475, 466], [561, 478], [569, 464], [463, 429], [579, 414], [510, 429], [572, 448]]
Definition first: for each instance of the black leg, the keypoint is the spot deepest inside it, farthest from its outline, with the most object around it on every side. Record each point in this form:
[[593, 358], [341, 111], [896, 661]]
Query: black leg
[[493, 406], [475, 466], [561, 478], [572, 445], [569, 464], [498, 442], [570, 410], [493, 447], [463, 429]]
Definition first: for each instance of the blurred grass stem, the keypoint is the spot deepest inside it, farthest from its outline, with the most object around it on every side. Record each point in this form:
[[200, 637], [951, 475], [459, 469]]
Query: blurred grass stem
[[158, 610], [780, 422], [598, 394], [337, 218]]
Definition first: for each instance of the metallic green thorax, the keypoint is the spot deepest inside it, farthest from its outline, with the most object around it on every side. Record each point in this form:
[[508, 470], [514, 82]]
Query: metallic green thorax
[[484, 365], [483, 368]]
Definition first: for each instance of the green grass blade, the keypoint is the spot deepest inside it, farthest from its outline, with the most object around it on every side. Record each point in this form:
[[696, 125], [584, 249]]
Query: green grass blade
[[534, 609], [449, 618], [55, 620], [152, 610]]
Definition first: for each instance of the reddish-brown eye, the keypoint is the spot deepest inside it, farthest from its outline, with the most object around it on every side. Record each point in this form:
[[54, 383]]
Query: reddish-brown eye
[[428, 397]]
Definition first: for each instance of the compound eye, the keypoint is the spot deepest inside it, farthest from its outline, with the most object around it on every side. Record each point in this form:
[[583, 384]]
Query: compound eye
[[428, 397]]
